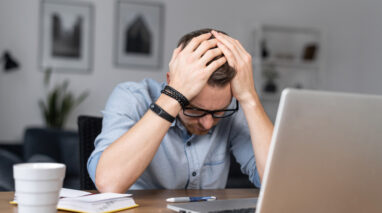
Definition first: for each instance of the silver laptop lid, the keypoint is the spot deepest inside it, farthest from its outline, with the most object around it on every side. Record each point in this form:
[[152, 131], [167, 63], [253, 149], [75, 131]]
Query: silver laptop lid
[[325, 154]]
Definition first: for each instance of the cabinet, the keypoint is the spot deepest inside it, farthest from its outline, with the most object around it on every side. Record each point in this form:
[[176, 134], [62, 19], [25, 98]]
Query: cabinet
[[285, 57]]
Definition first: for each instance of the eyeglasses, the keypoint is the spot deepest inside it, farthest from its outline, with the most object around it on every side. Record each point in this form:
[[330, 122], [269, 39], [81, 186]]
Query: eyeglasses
[[197, 113]]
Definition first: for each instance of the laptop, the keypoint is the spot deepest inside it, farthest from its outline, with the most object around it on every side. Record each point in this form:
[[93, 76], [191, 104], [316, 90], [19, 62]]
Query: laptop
[[325, 156]]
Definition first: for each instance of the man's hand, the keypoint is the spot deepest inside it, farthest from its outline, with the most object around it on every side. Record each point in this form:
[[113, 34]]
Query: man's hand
[[189, 72], [242, 85]]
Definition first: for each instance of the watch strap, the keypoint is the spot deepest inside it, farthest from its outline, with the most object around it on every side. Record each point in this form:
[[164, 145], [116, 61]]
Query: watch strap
[[161, 112]]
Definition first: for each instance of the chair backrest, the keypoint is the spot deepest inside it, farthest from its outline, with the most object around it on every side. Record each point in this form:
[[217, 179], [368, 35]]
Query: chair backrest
[[89, 128], [236, 179], [43, 144]]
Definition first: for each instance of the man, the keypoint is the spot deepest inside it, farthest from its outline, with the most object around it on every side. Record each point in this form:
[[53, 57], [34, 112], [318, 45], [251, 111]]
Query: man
[[143, 146]]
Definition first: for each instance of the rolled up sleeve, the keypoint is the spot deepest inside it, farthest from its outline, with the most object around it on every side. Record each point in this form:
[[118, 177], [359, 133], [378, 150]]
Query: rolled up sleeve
[[125, 106]]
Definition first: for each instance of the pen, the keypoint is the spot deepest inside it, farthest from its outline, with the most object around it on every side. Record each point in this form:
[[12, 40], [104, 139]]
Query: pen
[[190, 199]]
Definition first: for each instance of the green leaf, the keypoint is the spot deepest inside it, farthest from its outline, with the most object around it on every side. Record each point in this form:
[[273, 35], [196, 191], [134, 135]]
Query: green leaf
[[44, 110], [48, 73], [52, 114], [67, 106], [82, 97], [64, 86]]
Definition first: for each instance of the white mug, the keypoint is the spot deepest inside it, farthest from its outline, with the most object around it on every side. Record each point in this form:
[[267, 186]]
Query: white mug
[[37, 186]]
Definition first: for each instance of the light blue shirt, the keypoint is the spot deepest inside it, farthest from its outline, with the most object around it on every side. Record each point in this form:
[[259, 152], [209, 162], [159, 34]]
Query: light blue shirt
[[182, 161]]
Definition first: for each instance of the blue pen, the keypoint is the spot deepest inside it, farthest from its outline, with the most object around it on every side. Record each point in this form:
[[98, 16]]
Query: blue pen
[[190, 199]]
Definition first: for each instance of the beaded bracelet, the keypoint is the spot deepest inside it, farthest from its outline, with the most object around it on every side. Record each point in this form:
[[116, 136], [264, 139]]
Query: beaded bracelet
[[173, 93]]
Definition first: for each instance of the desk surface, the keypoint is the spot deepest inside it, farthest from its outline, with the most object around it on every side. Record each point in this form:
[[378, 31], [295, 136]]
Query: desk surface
[[152, 200]]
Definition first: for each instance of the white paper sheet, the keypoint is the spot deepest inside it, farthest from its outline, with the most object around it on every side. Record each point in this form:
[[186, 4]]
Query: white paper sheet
[[72, 193]]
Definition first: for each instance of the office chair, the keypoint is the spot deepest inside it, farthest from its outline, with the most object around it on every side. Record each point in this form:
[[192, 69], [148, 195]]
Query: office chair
[[236, 179], [88, 129]]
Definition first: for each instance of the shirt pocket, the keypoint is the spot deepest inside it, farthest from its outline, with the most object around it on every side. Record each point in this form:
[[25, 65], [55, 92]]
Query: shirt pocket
[[215, 159], [214, 172]]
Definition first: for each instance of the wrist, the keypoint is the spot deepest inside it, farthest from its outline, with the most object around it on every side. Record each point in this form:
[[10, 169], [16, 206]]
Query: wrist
[[175, 94], [249, 100], [170, 105], [181, 89], [161, 112], [253, 108]]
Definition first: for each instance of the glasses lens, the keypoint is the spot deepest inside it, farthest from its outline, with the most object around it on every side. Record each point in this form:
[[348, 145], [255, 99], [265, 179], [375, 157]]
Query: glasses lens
[[223, 114], [193, 112]]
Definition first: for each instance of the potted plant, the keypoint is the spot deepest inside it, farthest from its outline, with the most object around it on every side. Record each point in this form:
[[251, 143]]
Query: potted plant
[[59, 102]]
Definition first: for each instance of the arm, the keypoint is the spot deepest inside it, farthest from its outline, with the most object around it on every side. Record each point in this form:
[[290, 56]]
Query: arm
[[121, 164], [243, 88], [126, 158]]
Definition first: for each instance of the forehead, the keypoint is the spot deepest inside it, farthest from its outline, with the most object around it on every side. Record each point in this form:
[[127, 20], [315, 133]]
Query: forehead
[[213, 97]]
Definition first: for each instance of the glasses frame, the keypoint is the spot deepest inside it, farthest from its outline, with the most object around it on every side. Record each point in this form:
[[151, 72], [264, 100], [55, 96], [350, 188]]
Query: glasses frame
[[211, 111]]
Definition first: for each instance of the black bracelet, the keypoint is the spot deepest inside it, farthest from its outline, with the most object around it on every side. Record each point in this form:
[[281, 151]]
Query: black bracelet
[[173, 93], [163, 114]]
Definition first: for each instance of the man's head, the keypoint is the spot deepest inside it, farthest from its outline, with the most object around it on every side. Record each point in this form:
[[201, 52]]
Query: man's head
[[216, 95], [224, 74]]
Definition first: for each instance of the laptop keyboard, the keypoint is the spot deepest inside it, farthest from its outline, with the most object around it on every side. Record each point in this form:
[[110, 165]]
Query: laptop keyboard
[[246, 210]]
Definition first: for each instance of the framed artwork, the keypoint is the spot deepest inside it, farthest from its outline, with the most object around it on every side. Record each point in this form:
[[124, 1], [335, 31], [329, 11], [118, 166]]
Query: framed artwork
[[66, 35], [138, 36]]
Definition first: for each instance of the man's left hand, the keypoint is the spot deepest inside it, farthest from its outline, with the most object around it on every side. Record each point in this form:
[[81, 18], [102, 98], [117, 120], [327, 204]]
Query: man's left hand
[[242, 85]]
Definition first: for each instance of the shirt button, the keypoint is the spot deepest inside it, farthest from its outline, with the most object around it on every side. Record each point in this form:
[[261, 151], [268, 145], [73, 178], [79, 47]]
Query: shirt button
[[194, 174], [188, 143]]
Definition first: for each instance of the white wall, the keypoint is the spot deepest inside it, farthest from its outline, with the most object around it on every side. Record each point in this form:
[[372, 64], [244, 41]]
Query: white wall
[[352, 48]]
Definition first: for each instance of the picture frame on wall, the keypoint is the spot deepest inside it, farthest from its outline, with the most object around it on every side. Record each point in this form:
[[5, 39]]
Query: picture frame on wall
[[139, 34], [66, 35]]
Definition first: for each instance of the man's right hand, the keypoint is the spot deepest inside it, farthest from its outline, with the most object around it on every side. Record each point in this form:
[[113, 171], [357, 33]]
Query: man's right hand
[[189, 72]]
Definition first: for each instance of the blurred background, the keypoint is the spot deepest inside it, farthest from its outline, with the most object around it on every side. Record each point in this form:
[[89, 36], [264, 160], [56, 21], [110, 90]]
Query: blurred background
[[314, 44]]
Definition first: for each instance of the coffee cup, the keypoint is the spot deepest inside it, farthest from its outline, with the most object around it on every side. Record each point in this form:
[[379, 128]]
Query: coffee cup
[[37, 186]]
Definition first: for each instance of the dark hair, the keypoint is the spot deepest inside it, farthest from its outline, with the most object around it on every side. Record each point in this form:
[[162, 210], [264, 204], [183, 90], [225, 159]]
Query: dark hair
[[221, 76]]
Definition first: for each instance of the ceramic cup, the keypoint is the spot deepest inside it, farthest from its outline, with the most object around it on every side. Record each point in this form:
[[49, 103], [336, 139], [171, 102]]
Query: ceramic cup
[[37, 186]]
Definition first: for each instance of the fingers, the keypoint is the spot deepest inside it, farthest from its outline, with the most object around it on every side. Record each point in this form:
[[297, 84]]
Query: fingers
[[215, 65], [240, 47], [175, 53], [195, 42], [204, 46], [210, 54], [228, 54], [229, 42]]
